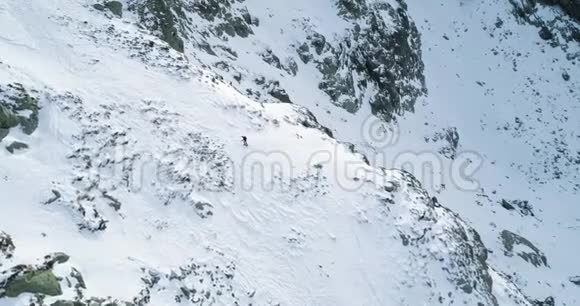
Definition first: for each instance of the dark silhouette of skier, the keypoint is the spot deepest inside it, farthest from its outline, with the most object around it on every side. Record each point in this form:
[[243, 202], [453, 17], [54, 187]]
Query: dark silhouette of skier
[[245, 141]]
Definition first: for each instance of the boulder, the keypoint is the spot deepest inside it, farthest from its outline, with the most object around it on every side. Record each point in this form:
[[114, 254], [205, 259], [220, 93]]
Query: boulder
[[41, 282], [115, 7], [16, 146]]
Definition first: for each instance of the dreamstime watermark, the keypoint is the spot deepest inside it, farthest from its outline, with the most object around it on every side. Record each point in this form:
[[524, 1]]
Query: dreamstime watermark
[[434, 169], [185, 169]]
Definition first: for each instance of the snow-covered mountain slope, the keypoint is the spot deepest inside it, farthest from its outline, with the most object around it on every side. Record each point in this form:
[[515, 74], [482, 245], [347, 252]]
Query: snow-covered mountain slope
[[124, 181]]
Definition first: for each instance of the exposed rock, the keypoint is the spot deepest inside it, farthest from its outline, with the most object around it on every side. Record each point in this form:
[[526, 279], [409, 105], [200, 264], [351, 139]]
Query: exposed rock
[[115, 7], [304, 53], [549, 301], [273, 88], [523, 206], [158, 16], [113, 202], [450, 138], [505, 204], [291, 66], [533, 255], [382, 56], [203, 209], [565, 76], [17, 108], [16, 146], [98, 7], [309, 120], [280, 94], [551, 28], [545, 33], [353, 9], [33, 281], [3, 132], [68, 303], [56, 196], [6, 246], [269, 57], [93, 302], [218, 279], [465, 258], [234, 21], [79, 278], [575, 280], [55, 258], [570, 7]]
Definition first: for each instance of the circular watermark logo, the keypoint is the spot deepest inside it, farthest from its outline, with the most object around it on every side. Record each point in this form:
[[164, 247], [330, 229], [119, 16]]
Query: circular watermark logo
[[379, 133]]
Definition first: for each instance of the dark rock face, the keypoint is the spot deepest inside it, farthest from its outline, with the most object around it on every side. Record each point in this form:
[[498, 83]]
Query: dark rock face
[[67, 303], [280, 94], [158, 16], [571, 7], [203, 209], [549, 301], [172, 20], [235, 22], [92, 302], [16, 146], [545, 33], [6, 246], [565, 27], [55, 258], [309, 120], [449, 137], [115, 7], [522, 206], [17, 108], [384, 57], [35, 281], [534, 256], [565, 76], [377, 60]]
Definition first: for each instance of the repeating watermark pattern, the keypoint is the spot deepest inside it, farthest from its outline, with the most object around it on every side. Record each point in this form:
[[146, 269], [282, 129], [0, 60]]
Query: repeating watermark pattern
[[278, 171]]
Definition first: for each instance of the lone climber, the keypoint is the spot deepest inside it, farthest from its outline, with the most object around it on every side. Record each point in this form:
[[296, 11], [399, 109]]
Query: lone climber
[[245, 141]]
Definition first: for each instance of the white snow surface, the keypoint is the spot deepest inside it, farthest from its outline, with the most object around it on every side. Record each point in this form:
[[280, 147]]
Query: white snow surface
[[316, 231]]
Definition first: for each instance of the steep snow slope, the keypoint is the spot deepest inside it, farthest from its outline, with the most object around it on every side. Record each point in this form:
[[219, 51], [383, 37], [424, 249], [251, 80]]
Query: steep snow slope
[[496, 136], [513, 99], [136, 172]]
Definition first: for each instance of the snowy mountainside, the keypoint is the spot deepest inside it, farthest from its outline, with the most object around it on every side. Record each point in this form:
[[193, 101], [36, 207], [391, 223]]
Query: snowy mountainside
[[512, 96], [124, 181]]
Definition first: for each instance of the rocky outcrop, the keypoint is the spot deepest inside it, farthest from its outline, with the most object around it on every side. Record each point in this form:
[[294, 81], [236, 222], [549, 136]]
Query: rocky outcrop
[[16, 146], [449, 137], [17, 109], [114, 7], [571, 7], [92, 302], [171, 20], [196, 283], [32, 281], [6, 247], [377, 59], [527, 250], [161, 17], [232, 22], [559, 30], [380, 56], [431, 228]]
